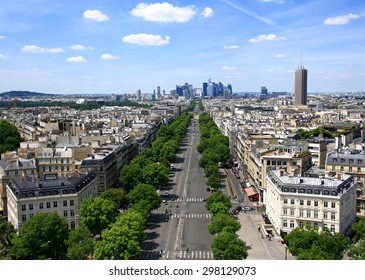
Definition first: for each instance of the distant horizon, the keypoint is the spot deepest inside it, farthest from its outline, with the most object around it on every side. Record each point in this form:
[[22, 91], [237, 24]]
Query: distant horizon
[[234, 93], [123, 46]]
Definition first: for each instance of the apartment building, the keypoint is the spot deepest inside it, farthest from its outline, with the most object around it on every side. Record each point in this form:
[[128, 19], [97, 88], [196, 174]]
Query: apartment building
[[351, 162], [104, 165], [294, 201], [28, 196], [12, 166]]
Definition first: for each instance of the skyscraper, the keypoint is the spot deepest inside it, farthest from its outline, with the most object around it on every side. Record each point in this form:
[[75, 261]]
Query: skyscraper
[[300, 90]]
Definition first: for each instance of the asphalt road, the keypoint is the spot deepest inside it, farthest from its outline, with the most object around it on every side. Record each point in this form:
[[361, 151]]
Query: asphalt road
[[179, 228]]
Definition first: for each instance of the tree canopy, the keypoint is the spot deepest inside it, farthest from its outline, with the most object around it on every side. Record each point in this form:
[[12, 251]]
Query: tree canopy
[[42, 237], [308, 244], [97, 213], [226, 246], [9, 137]]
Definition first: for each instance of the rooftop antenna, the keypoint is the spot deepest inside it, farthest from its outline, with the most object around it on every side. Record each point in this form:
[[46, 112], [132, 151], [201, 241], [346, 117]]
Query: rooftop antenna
[[301, 64]]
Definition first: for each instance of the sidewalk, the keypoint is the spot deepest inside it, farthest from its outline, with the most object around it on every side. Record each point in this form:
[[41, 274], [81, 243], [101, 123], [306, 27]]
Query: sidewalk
[[259, 248]]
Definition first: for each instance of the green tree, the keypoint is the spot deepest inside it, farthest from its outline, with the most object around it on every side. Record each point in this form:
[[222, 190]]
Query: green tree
[[9, 137], [218, 208], [97, 214], [117, 196], [359, 229], [146, 194], [211, 169], [357, 251], [226, 246], [223, 222], [122, 240], [42, 237], [131, 176], [309, 244], [7, 232], [213, 181], [218, 196], [155, 174], [80, 244]]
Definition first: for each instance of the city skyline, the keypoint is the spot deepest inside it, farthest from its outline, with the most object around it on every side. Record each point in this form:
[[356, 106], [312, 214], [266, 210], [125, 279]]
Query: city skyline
[[121, 47]]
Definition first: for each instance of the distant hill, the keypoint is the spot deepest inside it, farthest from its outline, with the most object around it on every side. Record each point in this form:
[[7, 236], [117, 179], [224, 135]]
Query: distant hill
[[18, 93]]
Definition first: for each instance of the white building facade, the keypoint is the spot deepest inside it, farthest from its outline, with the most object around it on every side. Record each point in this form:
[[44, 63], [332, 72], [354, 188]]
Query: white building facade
[[294, 201], [27, 197]]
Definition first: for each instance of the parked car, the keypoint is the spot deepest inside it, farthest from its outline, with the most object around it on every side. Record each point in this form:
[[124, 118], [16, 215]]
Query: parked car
[[247, 208]]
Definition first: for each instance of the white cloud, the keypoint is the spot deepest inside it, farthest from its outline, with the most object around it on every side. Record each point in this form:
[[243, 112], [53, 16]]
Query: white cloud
[[33, 49], [37, 49], [2, 56], [231, 47], [56, 50], [95, 15], [76, 59], [144, 39], [229, 68], [340, 20], [163, 12], [266, 37], [274, 1], [107, 56], [2, 37], [78, 47], [208, 12], [280, 55]]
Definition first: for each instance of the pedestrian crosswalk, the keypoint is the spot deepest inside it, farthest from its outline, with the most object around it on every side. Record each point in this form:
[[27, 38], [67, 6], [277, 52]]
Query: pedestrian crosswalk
[[176, 255], [189, 199], [183, 215], [192, 216]]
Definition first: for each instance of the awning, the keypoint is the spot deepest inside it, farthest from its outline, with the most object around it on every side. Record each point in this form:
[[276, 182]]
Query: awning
[[251, 192]]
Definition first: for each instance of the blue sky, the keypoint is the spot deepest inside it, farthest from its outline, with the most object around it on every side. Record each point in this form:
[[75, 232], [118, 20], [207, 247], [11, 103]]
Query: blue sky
[[117, 46]]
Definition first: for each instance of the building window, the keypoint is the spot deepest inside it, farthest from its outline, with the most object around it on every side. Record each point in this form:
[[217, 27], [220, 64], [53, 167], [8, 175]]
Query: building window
[[333, 228], [72, 225], [350, 169], [41, 205], [31, 215], [24, 218], [65, 213], [316, 203], [292, 201], [301, 202], [72, 202], [308, 214], [54, 203], [333, 168], [285, 223], [308, 203], [359, 169], [342, 168], [325, 204], [65, 203], [291, 224], [48, 204], [292, 211], [333, 216], [31, 206], [301, 213], [315, 226], [325, 226], [333, 205], [23, 207], [325, 215], [285, 212], [72, 212], [316, 214], [285, 201]]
